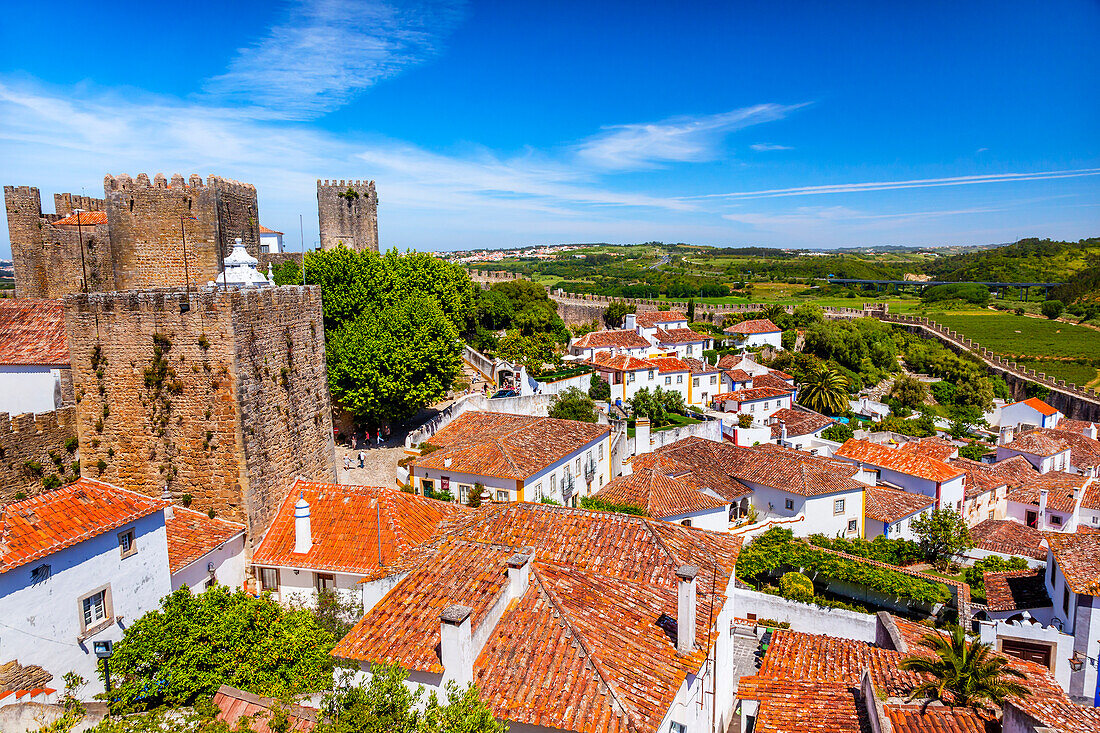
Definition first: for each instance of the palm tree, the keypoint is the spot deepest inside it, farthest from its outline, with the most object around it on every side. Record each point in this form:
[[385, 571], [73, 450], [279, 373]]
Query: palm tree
[[964, 673], [825, 391]]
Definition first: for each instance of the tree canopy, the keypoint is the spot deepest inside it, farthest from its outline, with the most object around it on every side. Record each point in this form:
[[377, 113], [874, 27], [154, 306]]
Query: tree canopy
[[573, 404], [942, 534]]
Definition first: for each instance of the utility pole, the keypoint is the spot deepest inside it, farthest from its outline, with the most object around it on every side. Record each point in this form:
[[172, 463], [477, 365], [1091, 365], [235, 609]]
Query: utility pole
[[302, 234], [80, 242]]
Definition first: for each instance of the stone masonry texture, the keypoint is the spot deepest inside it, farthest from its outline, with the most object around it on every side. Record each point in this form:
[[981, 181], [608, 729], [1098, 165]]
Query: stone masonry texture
[[224, 399], [33, 448], [140, 246], [347, 213]]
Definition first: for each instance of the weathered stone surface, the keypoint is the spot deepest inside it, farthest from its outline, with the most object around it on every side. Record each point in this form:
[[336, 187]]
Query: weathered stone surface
[[347, 212], [32, 448], [14, 676]]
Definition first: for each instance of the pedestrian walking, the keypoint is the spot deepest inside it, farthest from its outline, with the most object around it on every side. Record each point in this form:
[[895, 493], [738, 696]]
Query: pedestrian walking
[[362, 458], [378, 437], [347, 462]]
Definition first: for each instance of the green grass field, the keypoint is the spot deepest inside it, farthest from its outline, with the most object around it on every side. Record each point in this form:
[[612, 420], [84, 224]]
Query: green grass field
[[1079, 374], [1020, 336]]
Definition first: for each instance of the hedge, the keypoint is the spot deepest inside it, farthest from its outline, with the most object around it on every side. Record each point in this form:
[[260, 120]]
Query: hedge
[[892, 552]]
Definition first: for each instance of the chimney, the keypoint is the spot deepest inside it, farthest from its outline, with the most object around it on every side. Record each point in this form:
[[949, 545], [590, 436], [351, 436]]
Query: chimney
[[628, 466], [1090, 431], [685, 608], [1041, 523], [303, 539], [519, 573], [782, 432], [641, 436], [170, 510], [456, 646], [630, 322]]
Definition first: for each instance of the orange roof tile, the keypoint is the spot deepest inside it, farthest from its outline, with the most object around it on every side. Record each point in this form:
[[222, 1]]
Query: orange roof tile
[[659, 495], [798, 421], [933, 719], [754, 326], [694, 468], [265, 230], [1008, 538], [42, 525], [84, 219], [752, 393], [731, 361], [1060, 487], [771, 380], [891, 505], [1078, 556], [1039, 443], [698, 366], [1015, 590], [680, 336], [933, 447], [1036, 404], [1012, 472], [737, 375], [619, 362], [787, 705], [910, 464], [234, 704], [32, 332], [192, 534], [1084, 452], [1075, 426], [622, 339], [649, 319], [506, 446], [344, 522], [665, 364]]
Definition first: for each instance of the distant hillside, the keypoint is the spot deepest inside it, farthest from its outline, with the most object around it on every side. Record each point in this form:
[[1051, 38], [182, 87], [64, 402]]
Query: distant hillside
[[1029, 260]]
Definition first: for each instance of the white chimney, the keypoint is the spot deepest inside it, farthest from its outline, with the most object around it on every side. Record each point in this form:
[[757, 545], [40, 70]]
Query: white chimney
[[628, 466], [303, 539], [641, 436], [782, 432], [456, 646], [519, 574], [1090, 431], [170, 510], [1041, 523], [685, 608], [630, 322]]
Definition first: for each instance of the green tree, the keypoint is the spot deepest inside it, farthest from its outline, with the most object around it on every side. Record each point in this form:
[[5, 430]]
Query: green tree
[[942, 534], [975, 574], [691, 310], [964, 673], [797, 587], [573, 404], [909, 391], [615, 312], [196, 643], [387, 365], [599, 389], [839, 433], [976, 393], [656, 405], [825, 391], [1052, 308], [287, 273], [806, 315], [534, 351]]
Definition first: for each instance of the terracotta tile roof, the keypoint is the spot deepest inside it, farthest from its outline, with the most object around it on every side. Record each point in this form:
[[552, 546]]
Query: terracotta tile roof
[[798, 421], [1012, 472], [84, 219], [933, 447], [891, 505], [506, 446], [756, 325], [737, 375], [658, 494], [1059, 485], [568, 654], [904, 462], [730, 361], [1078, 556], [1091, 499], [1038, 443], [698, 366], [771, 380], [265, 230], [979, 480], [619, 362], [1015, 590], [788, 705], [1084, 452], [622, 339], [34, 528], [1008, 538], [32, 332], [680, 336], [234, 704], [649, 319], [192, 534], [694, 468], [1075, 426], [344, 522], [1036, 404], [933, 719], [751, 393], [665, 364], [781, 374]]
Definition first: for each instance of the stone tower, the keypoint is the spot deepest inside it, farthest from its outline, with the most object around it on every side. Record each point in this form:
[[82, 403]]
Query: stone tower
[[220, 395], [347, 212]]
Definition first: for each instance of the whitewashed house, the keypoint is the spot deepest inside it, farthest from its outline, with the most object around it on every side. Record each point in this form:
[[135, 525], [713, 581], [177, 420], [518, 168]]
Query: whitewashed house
[[909, 471], [756, 332], [35, 373], [271, 241], [1055, 502], [799, 428], [625, 374], [678, 499], [515, 458], [611, 343], [891, 512], [1042, 450], [761, 403], [326, 537], [204, 551], [1031, 412]]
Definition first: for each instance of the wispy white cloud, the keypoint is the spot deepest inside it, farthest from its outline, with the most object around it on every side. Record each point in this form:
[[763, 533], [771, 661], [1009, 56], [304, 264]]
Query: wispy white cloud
[[980, 150], [898, 185], [768, 147], [675, 140], [326, 52]]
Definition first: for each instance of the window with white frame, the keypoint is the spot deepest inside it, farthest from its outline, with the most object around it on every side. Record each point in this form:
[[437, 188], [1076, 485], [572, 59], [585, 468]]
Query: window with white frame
[[651, 375], [853, 525], [578, 471], [538, 491], [464, 492], [668, 380], [600, 452], [679, 379], [503, 496], [553, 485], [714, 379], [766, 405], [695, 382], [95, 609], [838, 506], [269, 579]]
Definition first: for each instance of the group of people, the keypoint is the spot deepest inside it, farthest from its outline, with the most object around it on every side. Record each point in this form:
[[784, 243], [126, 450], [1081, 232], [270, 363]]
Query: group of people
[[380, 436]]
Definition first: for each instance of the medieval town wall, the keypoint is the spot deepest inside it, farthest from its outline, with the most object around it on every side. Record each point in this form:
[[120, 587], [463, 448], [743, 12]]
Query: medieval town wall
[[347, 214], [34, 448]]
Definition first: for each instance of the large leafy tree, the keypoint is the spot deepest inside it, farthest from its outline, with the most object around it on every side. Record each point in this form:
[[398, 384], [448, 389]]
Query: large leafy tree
[[942, 534], [825, 391], [196, 643], [573, 404], [964, 673], [909, 391], [656, 405], [615, 313], [387, 365]]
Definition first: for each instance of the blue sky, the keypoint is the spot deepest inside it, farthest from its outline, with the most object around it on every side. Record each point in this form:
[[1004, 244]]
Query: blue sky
[[502, 124]]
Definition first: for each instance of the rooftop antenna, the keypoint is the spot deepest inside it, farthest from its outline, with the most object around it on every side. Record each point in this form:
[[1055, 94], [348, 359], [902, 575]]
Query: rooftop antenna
[[302, 234]]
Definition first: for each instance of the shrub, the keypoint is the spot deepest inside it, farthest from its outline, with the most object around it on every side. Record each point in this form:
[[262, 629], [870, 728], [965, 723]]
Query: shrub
[[599, 389], [598, 504], [797, 587], [890, 551], [51, 482], [71, 444], [839, 433], [975, 574], [1052, 308]]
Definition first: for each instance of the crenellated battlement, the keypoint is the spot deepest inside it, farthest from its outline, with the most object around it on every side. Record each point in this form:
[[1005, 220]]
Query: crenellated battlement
[[21, 191], [123, 182], [65, 203], [341, 183], [42, 438]]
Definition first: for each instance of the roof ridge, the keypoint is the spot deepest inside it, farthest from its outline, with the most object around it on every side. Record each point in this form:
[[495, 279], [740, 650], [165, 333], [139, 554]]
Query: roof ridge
[[628, 713], [661, 543]]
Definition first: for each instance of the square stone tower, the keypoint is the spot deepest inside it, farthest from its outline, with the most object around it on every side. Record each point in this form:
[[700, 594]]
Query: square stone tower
[[347, 212], [219, 395]]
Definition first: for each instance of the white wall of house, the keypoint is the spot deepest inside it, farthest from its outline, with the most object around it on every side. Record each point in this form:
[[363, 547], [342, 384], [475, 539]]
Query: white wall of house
[[273, 243], [806, 442], [774, 339], [44, 621], [675, 382], [588, 353], [1078, 615], [29, 389], [228, 560], [760, 409], [1020, 413], [950, 491], [1045, 464], [729, 385], [1053, 521], [704, 385], [986, 505], [624, 385], [716, 520], [694, 349], [819, 513], [298, 586], [901, 529]]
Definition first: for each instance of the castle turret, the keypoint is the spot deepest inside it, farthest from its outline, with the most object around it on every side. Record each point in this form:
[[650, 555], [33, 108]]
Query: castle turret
[[347, 212]]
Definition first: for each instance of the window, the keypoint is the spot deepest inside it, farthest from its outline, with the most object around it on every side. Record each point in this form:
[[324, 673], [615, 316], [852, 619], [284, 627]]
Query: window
[[685, 522], [553, 484], [464, 492], [578, 471], [538, 491], [689, 348], [263, 249], [695, 382], [679, 379], [126, 543], [677, 728], [766, 405], [651, 375], [788, 504], [1095, 519], [631, 377], [95, 610], [838, 506], [601, 451], [714, 380], [324, 582], [40, 574], [852, 525], [1065, 601], [502, 496], [1055, 520], [210, 583], [668, 380], [426, 485], [269, 579]]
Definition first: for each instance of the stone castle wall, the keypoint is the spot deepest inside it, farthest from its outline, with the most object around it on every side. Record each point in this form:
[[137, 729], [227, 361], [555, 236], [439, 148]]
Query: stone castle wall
[[37, 439], [65, 203], [224, 400], [348, 220]]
